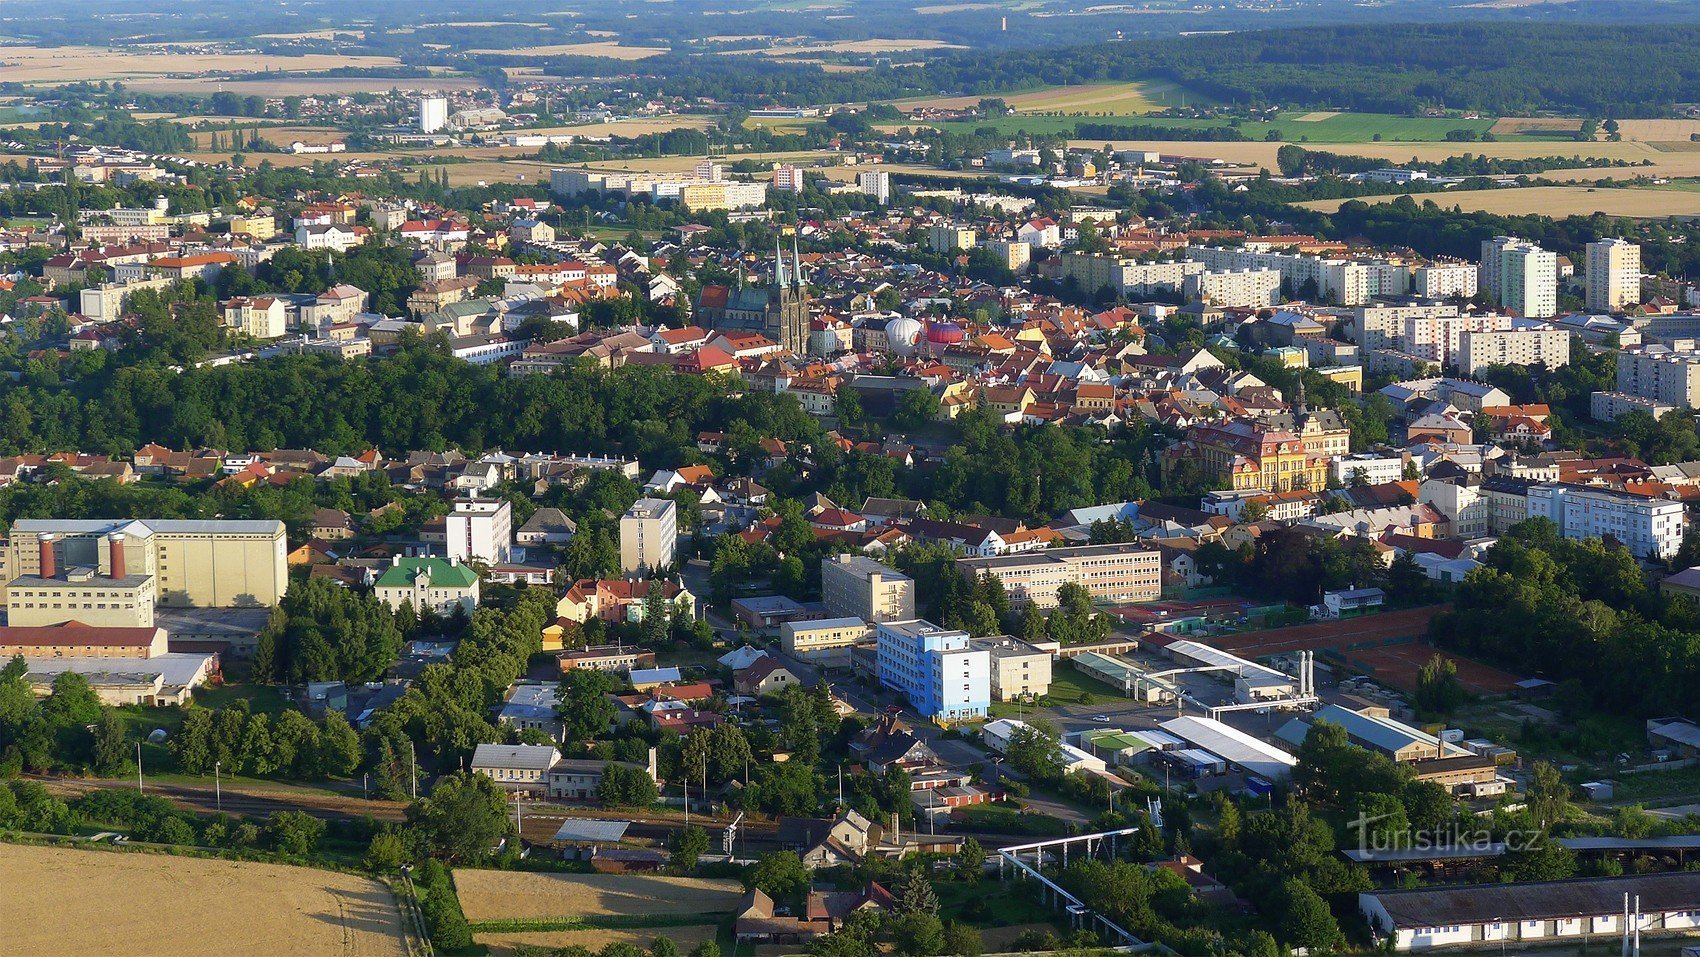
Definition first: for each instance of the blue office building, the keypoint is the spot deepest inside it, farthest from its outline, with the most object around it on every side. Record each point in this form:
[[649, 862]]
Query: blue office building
[[935, 668]]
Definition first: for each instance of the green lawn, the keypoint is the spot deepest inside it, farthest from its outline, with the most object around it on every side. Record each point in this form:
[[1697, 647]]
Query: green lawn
[[262, 699]]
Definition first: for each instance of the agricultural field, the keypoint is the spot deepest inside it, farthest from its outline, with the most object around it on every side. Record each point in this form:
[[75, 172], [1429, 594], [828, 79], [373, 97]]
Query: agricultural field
[[516, 895], [1119, 98], [1320, 127], [62, 900], [873, 46], [599, 48], [47, 66], [1556, 201]]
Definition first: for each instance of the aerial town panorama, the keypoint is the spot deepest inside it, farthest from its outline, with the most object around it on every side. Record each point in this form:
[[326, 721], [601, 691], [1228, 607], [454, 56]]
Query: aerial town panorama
[[811, 477]]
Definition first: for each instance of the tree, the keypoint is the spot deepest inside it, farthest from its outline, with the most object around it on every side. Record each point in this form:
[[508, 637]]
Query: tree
[[625, 786], [691, 844], [915, 894], [918, 935], [962, 940], [1548, 795], [463, 819], [1036, 751], [584, 707], [386, 852], [1541, 859], [1438, 689], [192, 746], [338, 745], [780, 875], [293, 832], [1303, 918], [969, 862], [111, 744]]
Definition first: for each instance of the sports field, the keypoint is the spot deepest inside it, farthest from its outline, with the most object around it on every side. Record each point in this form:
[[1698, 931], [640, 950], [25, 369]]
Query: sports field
[[65, 900], [1559, 201], [1388, 647]]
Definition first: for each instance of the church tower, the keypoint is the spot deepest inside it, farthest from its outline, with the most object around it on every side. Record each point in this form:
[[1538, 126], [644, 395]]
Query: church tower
[[788, 301]]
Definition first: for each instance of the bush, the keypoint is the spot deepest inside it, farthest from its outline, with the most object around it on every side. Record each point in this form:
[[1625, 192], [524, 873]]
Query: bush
[[441, 908]]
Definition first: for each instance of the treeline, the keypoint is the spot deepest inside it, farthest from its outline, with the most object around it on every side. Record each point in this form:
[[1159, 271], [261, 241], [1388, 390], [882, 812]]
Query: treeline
[[1147, 131], [1513, 68], [419, 398], [1582, 614], [1297, 161]]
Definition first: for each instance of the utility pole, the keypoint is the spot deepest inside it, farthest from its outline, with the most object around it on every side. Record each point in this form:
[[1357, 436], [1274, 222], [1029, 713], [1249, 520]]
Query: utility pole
[[686, 781], [218, 793], [138, 767], [412, 770]]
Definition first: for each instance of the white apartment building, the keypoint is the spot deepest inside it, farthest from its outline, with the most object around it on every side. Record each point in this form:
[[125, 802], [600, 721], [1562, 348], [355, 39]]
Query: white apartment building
[[1236, 287], [433, 113], [1545, 346], [1383, 327], [1375, 469], [859, 587], [649, 533], [875, 183], [1347, 282], [1449, 280], [1438, 338], [1660, 373], [1520, 276], [1613, 279], [480, 530], [1650, 528]]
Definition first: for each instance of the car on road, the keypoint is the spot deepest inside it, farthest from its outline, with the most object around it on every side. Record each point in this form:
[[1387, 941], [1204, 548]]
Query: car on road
[[1101, 718]]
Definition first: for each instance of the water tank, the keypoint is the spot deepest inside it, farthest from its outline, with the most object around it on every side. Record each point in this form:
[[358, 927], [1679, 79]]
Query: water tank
[[900, 335]]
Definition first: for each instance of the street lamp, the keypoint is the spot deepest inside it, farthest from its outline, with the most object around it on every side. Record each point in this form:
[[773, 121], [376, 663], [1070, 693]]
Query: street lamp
[[218, 793]]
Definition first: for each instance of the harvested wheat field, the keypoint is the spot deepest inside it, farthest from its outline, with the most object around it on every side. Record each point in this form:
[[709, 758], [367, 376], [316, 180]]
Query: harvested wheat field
[[47, 65], [1554, 201], [62, 900], [510, 895], [685, 938], [1514, 125], [601, 48]]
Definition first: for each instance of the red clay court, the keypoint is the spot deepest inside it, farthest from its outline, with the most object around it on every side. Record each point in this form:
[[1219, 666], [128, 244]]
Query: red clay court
[[1390, 647]]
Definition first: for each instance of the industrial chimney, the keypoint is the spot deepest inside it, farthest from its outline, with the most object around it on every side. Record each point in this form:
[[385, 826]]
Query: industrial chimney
[[49, 564], [115, 548]]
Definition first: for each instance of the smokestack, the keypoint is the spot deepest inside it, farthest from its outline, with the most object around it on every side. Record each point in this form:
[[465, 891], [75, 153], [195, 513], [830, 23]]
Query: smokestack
[[115, 547], [49, 564]]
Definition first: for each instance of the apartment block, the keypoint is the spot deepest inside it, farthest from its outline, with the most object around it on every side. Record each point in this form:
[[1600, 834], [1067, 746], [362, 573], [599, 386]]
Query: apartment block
[[1236, 287], [1014, 255], [1520, 276], [1113, 573], [1546, 346], [859, 587], [936, 669], [944, 237], [1438, 338], [1650, 528], [1613, 278], [1383, 327], [480, 530], [1660, 373], [1445, 280], [649, 534]]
